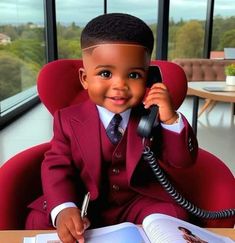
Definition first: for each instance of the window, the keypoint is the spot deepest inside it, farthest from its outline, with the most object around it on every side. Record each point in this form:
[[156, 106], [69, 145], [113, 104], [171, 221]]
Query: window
[[186, 28], [223, 34], [72, 16], [22, 52], [145, 10]]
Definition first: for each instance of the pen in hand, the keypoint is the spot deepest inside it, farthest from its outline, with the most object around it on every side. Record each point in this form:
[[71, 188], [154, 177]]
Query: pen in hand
[[85, 205]]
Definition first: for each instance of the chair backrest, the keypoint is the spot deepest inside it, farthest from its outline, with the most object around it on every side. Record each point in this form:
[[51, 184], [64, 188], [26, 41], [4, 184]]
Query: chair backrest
[[59, 86]]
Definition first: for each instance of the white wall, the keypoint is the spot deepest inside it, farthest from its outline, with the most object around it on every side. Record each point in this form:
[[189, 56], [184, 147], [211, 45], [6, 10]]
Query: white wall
[[33, 128]]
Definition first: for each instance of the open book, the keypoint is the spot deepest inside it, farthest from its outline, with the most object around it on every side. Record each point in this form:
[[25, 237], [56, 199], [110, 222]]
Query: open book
[[155, 228]]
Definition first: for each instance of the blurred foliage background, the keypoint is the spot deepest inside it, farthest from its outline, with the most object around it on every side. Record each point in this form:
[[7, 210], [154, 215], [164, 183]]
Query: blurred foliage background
[[24, 55]]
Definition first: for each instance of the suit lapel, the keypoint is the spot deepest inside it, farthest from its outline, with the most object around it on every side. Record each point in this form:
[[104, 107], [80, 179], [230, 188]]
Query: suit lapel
[[134, 144], [86, 128]]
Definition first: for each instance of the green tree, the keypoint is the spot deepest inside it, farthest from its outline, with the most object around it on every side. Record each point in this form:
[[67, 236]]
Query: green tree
[[15, 75], [9, 30], [20, 60], [33, 34], [69, 32], [189, 40], [31, 51], [221, 25], [69, 48], [227, 39]]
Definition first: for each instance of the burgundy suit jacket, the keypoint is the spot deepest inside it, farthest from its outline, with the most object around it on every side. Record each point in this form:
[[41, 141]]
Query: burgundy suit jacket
[[73, 165]]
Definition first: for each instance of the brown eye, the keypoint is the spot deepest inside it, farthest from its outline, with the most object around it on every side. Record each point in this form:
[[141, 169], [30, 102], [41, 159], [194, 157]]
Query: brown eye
[[105, 74], [135, 75]]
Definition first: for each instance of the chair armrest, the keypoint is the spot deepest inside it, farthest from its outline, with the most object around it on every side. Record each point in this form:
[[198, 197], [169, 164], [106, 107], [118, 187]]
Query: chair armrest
[[20, 182], [208, 184]]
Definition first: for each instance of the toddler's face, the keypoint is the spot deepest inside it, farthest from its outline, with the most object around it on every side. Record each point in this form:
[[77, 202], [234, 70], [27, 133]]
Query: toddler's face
[[115, 75]]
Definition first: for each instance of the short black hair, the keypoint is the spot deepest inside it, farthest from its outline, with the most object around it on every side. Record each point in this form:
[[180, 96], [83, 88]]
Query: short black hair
[[117, 27]]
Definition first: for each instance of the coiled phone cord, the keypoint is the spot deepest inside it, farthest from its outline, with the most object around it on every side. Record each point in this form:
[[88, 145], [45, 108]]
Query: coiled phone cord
[[148, 156]]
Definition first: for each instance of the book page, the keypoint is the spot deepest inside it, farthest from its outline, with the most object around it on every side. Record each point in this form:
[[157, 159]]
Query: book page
[[120, 233], [47, 238], [29, 240], [165, 229]]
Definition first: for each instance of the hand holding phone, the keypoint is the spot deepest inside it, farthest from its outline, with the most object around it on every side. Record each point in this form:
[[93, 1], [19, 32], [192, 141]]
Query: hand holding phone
[[146, 122]]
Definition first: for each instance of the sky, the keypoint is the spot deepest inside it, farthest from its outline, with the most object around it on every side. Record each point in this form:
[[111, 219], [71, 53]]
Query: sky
[[81, 11]]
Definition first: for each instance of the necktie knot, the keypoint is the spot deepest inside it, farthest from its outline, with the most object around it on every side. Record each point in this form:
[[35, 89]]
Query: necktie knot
[[113, 130], [116, 120]]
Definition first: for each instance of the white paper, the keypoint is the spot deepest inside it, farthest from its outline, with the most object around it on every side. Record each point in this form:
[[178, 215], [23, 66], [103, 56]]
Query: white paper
[[29, 240], [164, 229]]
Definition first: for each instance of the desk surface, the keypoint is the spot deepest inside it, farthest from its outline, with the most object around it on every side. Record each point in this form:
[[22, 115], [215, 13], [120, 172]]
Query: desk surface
[[16, 236], [196, 88]]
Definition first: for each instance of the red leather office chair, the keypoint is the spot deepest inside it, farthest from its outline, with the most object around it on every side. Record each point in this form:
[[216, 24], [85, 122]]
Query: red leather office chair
[[209, 184]]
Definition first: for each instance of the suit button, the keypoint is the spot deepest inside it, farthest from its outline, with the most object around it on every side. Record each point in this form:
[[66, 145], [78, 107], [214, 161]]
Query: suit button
[[115, 187], [44, 205], [115, 171], [118, 155]]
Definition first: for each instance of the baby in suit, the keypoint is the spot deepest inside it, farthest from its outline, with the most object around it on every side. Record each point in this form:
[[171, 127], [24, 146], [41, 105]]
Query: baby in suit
[[116, 51]]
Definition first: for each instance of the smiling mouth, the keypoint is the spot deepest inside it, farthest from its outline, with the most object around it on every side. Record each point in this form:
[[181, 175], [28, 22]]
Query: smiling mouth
[[118, 100]]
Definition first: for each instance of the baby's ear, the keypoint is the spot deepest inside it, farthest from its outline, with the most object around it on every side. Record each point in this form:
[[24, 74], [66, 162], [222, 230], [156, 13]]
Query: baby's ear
[[83, 77]]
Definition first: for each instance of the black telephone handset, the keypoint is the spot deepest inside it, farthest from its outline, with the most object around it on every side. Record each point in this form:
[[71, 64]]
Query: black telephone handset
[[146, 122]]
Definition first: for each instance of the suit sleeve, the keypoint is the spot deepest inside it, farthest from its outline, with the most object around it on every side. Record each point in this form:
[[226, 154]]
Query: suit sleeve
[[179, 149]]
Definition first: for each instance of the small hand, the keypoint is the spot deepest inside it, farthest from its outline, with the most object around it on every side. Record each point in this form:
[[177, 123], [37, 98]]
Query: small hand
[[159, 95], [70, 225]]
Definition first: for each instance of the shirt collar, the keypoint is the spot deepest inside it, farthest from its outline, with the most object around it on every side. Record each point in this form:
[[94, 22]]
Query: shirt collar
[[106, 116]]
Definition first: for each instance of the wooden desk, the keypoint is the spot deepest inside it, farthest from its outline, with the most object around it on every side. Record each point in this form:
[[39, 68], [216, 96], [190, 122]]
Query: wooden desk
[[196, 90], [16, 236]]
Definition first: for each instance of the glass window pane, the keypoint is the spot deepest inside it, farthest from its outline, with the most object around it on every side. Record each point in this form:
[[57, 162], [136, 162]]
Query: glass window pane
[[145, 10], [72, 16], [223, 27], [22, 45], [186, 28]]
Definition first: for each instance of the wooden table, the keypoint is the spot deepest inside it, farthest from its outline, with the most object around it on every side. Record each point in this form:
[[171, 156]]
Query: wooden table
[[196, 89], [16, 236]]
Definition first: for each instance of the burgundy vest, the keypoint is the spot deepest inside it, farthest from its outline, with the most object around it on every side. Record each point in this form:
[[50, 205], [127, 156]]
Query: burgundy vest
[[114, 160]]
